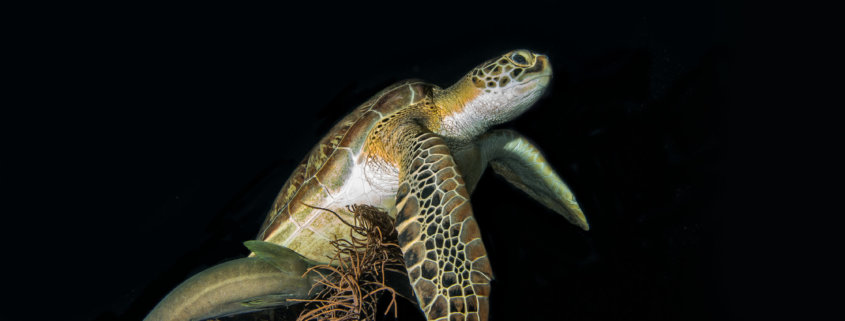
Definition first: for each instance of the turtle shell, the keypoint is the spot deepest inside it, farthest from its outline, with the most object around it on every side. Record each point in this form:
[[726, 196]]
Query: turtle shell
[[292, 221]]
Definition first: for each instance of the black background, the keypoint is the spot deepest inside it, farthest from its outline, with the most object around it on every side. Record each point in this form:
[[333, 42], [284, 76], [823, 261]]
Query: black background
[[151, 140]]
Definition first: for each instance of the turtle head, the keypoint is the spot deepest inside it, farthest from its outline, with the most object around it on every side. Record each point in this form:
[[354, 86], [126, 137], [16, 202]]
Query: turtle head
[[496, 91]]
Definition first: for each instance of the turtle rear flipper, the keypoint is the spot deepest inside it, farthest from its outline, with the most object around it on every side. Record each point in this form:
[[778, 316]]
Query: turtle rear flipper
[[522, 164], [440, 239]]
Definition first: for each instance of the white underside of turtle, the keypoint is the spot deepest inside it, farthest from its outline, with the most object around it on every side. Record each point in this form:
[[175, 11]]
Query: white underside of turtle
[[372, 182]]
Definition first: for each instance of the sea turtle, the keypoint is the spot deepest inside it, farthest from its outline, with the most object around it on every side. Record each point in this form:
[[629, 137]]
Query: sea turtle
[[417, 151]]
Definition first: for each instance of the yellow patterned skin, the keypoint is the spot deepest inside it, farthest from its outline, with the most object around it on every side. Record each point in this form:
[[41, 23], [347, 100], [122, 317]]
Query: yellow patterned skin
[[417, 151]]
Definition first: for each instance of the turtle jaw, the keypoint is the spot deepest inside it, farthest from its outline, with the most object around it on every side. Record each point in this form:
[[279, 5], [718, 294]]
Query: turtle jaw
[[542, 81], [537, 83], [540, 74]]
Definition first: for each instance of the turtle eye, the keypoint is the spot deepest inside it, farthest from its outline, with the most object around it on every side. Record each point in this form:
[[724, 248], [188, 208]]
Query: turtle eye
[[519, 59]]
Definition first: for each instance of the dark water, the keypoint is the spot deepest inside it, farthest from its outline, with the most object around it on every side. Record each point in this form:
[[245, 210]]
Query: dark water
[[177, 126]]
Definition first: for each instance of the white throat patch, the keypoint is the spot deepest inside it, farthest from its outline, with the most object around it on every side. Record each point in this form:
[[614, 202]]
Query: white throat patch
[[487, 109]]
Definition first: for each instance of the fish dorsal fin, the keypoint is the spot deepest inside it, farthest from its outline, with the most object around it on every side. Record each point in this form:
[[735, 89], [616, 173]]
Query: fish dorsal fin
[[284, 259]]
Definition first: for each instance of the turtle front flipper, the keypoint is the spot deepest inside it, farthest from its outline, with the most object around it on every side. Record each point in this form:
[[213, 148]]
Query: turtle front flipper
[[446, 260], [523, 165]]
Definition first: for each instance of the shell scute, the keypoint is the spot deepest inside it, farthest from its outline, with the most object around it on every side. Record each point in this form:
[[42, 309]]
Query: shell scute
[[291, 186], [355, 135], [304, 236], [328, 165], [336, 170], [324, 149], [393, 99], [310, 194]]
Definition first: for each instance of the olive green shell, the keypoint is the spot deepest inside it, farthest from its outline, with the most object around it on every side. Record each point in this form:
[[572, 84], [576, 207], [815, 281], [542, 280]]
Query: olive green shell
[[330, 162]]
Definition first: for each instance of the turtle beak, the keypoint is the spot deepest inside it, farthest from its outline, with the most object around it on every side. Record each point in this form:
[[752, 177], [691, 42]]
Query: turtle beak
[[545, 69], [540, 72]]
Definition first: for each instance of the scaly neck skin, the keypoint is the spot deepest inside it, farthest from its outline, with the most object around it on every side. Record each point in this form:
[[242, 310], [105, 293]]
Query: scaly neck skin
[[460, 123]]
